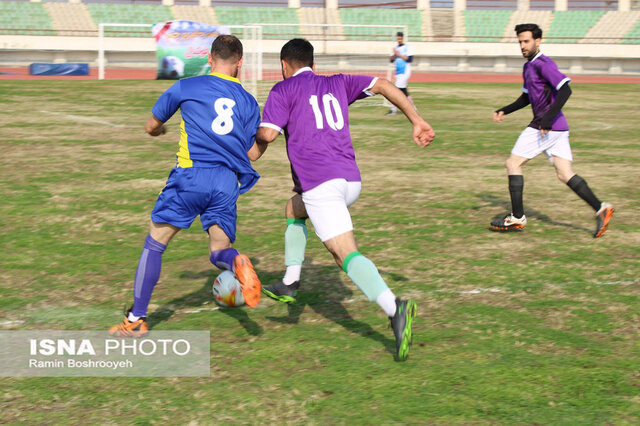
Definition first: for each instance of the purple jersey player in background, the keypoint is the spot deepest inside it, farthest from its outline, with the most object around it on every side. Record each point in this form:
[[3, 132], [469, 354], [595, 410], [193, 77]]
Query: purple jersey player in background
[[547, 90], [312, 111]]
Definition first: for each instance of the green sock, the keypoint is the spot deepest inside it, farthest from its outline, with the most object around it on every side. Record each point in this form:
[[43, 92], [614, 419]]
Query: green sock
[[295, 242], [365, 275]]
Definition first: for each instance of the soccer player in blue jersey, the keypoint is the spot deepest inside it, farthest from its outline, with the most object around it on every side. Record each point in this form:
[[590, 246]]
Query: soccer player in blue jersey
[[312, 111], [547, 90], [402, 57], [219, 123]]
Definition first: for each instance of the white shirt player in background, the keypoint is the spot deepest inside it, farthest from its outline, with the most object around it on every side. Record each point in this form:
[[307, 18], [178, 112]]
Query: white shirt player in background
[[402, 57]]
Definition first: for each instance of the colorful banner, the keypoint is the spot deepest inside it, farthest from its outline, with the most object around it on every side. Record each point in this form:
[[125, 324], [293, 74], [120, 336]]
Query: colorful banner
[[182, 47]]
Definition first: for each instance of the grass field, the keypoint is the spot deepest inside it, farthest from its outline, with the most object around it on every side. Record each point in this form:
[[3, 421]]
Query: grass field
[[538, 327]]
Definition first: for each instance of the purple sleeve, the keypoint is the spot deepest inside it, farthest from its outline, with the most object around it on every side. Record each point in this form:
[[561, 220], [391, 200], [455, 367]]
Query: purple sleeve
[[168, 103], [357, 86], [550, 72], [275, 114]]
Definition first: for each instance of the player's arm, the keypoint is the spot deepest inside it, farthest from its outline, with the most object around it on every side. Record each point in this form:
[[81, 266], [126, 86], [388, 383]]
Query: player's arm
[[264, 136], [521, 102], [154, 126], [423, 133], [561, 98]]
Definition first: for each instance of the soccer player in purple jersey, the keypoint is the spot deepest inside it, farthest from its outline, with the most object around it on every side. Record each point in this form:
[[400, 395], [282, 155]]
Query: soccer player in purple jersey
[[219, 123], [547, 90], [312, 111]]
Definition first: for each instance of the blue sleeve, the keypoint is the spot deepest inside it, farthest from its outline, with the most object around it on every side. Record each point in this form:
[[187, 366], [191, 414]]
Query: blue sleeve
[[168, 103]]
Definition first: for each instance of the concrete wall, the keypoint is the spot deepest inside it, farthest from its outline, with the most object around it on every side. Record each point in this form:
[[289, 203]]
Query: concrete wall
[[614, 59]]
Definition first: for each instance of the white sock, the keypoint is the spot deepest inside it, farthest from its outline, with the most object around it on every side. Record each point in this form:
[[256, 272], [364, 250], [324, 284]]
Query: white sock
[[132, 318], [292, 275], [387, 301]]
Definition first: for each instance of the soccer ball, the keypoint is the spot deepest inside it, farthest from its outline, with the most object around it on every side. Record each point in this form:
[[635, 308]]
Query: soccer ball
[[172, 67], [227, 291]]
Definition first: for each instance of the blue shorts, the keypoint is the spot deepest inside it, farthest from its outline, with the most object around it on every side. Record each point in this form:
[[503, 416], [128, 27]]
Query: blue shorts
[[209, 192]]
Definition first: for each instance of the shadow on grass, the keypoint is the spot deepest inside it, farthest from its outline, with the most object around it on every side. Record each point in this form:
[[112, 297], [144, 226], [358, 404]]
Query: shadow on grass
[[505, 205], [323, 293]]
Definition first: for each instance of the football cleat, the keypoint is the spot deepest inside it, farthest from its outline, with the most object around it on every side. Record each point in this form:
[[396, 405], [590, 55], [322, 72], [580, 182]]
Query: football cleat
[[282, 292], [509, 223], [249, 282], [391, 112], [603, 216], [401, 324], [130, 328]]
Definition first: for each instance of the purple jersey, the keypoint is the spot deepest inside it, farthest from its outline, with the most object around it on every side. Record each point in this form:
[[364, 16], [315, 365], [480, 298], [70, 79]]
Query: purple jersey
[[542, 80], [313, 112]]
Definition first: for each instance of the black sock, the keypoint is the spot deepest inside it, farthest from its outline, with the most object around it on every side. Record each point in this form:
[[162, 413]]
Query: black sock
[[516, 183], [581, 188]]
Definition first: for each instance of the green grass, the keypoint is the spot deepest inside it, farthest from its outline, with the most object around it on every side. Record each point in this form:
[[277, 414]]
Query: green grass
[[539, 327]]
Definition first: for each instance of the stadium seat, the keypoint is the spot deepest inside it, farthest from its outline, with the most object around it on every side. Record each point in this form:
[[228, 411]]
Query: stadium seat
[[318, 16], [203, 14], [239, 15], [411, 18], [571, 25], [486, 25], [633, 36], [71, 18], [25, 18], [612, 27], [129, 14], [541, 17]]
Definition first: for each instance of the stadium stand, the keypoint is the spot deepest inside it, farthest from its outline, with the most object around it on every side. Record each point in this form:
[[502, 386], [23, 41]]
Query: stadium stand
[[129, 14], [485, 25], [570, 26], [612, 27], [317, 16], [443, 24], [541, 17], [71, 18], [633, 36], [203, 14], [238, 15], [411, 18], [25, 18]]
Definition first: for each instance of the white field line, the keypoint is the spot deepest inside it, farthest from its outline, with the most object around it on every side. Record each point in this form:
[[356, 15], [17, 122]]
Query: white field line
[[82, 118]]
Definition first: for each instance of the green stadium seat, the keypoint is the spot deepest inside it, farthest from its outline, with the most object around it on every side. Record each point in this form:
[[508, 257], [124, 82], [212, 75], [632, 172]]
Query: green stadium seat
[[239, 15], [25, 18], [485, 25], [129, 14], [571, 25], [410, 18]]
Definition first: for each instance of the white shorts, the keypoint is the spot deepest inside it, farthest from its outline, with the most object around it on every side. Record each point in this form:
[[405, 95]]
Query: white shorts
[[327, 206], [555, 144], [402, 80]]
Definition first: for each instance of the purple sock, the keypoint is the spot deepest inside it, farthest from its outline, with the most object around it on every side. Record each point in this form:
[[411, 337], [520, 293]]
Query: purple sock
[[147, 275], [223, 259]]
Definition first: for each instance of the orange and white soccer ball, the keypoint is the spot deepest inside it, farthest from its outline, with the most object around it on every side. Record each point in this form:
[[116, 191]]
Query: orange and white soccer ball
[[227, 291]]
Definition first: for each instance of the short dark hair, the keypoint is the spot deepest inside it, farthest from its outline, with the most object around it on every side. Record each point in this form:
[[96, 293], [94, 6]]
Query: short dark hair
[[536, 32], [226, 47], [297, 51], [399, 34]]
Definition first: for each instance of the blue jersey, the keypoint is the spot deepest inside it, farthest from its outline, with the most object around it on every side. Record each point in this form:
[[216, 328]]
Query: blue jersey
[[219, 123], [402, 66]]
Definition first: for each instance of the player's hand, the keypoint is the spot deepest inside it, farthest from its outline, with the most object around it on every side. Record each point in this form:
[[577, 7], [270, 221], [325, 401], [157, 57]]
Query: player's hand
[[159, 131], [498, 116], [543, 132], [423, 133]]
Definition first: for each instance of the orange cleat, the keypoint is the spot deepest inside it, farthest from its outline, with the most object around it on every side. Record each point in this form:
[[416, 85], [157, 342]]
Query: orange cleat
[[603, 216], [130, 329], [249, 282]]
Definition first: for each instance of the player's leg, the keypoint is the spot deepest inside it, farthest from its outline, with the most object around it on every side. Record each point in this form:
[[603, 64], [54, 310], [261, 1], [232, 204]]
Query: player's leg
[[295, 242], [219, 220], [526, 147], [400, 83], [147, 274], [327, 207], [603, 211]]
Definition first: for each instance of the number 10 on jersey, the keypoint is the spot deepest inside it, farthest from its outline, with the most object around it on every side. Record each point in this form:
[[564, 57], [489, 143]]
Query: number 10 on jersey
[[332, 112]]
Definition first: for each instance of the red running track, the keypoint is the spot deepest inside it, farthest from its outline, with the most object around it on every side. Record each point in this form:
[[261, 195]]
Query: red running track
[[150, 74]]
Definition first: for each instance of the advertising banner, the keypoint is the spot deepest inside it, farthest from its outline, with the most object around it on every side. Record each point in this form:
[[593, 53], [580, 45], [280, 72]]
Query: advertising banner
[[182, 47]]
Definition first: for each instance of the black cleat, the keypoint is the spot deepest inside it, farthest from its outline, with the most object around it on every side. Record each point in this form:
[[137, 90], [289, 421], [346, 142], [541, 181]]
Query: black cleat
[[401, 324], [282, 292], [509, 223]]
